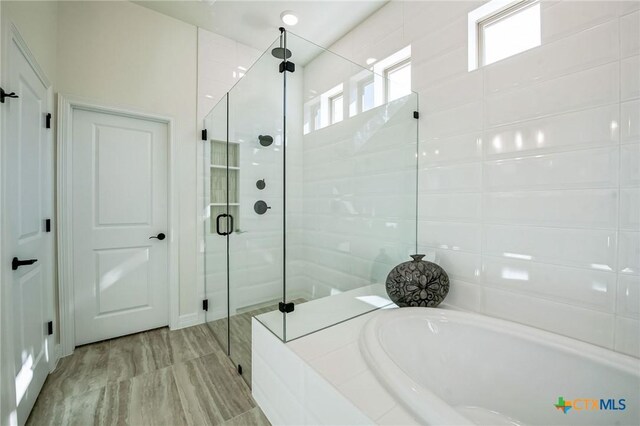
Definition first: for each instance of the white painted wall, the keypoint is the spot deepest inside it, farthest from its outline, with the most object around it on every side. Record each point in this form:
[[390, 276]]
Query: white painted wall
[[123, 54], [542, 230], [37, 22]]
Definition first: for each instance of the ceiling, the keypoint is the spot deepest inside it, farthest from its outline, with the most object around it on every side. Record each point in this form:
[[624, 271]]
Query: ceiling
[[256, 23]]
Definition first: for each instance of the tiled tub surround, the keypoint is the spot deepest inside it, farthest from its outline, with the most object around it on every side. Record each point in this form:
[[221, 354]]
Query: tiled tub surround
[[324, 378], [296, 383], [529, 168]]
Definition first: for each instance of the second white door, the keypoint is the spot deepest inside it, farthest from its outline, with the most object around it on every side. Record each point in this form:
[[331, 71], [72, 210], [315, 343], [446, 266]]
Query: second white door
[[120, 180]]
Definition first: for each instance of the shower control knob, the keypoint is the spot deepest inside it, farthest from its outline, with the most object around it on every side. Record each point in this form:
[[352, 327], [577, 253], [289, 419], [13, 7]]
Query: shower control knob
[[265, 140], [261, 184], [260, 207]]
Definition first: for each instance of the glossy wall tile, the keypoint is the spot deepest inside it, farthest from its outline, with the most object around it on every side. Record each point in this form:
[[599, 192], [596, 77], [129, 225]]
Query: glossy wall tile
[[529, 168]]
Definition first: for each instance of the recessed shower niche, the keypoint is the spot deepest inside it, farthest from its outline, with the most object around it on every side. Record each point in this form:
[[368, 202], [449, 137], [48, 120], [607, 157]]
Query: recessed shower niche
[[224, 182]]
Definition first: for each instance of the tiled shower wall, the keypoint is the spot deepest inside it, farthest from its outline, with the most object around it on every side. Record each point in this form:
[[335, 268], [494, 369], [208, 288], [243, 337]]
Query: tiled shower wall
[[529, 182]]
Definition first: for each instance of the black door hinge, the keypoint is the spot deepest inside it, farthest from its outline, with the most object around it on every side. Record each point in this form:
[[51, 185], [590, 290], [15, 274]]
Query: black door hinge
[[286, 307], [287, 66], [47, 120], [47, 225], [239, 369], [416, 114], [49, 328], [4, 95], [205, 305], [204, 134]]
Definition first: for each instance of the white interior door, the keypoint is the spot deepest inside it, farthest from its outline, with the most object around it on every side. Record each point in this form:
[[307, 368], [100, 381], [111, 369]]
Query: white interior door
[[120, 273], [28, 189]]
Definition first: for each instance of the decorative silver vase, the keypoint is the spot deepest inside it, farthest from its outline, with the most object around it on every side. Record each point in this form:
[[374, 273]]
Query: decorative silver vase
[[417, 283]]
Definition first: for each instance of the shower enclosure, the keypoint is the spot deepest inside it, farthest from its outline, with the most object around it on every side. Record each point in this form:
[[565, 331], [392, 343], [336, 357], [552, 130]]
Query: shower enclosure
[[310, 194]]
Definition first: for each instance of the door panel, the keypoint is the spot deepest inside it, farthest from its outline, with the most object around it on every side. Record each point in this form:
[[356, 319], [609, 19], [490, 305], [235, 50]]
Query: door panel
[[127, 179], [215, 225], [119, 202], [28, 191], [123, 280], [29, 159]]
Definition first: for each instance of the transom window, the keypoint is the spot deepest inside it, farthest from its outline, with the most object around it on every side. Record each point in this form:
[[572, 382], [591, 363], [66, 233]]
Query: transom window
[[336, 107], [387, 80], [366, 98], [398, 80], [499, 29]]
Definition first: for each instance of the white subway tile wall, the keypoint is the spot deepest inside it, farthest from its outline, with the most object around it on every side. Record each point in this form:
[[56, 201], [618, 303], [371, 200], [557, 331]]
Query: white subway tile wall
[[529, 181], [359, 186]]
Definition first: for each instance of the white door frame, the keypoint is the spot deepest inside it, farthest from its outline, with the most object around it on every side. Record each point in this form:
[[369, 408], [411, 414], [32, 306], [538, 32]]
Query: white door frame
[[9, 34], [66, 106]]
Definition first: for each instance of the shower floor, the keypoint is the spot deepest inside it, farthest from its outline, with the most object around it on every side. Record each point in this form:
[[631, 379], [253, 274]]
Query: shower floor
[[240, 334]]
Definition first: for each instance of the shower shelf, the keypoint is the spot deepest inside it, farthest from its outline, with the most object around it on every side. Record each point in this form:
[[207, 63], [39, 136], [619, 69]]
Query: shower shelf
[[224, 181], [216, 166]]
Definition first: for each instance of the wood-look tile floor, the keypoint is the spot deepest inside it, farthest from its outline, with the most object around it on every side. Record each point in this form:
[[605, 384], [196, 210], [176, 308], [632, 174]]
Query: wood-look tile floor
[[158, 377], [240, 335]]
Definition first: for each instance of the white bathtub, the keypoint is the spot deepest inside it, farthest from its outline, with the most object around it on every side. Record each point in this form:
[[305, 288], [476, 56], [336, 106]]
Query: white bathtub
[[458, 368]]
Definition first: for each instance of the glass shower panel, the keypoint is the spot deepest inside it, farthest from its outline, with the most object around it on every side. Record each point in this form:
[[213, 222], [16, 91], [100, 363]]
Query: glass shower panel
[[216, 221], [310, 193], [256, 257], [351, 188]]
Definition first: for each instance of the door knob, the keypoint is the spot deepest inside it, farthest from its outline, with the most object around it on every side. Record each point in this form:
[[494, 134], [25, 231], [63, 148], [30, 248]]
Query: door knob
[[16, 263], [160, 236]]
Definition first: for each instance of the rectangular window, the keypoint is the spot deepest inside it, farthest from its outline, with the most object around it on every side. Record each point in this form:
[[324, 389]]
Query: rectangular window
[[336, 108], [498, 30], [365, 94], [398, 79]]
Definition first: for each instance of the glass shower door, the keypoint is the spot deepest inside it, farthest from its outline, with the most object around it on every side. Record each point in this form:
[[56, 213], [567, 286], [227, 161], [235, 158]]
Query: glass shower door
[[255, 245], [218, 221]]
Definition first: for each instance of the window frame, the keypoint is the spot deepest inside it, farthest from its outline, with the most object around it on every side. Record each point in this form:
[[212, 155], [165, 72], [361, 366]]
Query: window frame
[[332, 99], [492, 19], [487, 14], [380, 68], [390, 69], [362, 83]]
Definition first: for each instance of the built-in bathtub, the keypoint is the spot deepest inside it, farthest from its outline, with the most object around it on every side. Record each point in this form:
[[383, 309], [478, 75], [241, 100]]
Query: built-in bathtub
[[457, 368]]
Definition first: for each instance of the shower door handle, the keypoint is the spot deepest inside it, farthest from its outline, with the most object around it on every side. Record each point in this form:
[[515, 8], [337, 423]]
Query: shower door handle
[[229, 224], [220, 216]]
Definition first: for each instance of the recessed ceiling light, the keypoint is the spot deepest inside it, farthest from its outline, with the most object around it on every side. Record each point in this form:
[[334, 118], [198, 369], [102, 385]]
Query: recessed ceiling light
[[289, 18], [371, 61]]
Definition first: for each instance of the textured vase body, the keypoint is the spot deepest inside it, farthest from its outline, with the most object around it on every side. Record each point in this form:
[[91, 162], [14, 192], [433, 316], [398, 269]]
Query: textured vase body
[[417, 283]]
